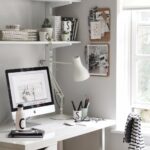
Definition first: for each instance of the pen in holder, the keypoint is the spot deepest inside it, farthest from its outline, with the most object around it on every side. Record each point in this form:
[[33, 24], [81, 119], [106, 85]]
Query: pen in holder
[[81, 113]]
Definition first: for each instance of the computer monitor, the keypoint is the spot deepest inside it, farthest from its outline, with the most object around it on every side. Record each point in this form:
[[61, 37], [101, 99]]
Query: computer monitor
[[32, 88]]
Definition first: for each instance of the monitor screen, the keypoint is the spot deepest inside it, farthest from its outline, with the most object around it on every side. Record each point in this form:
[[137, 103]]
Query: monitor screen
[[32, 88]]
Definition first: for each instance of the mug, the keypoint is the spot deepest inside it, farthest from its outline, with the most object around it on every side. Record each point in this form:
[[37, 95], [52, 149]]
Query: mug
[[44, 36], [84, 113], [77, 115]]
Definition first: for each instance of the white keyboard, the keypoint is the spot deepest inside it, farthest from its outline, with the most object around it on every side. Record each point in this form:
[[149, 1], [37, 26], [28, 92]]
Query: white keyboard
[[50, 127]]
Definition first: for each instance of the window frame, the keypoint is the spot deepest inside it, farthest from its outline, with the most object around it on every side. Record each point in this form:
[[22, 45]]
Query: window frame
[[134, 58]]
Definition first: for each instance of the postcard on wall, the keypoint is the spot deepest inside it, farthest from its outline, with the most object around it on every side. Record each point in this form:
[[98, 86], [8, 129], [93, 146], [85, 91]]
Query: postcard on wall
[[99, 24], [97, 59], [95, 27]]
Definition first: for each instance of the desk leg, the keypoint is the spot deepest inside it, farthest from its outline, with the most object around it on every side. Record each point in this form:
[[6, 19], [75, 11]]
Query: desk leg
[[60, 145], [103, 139]]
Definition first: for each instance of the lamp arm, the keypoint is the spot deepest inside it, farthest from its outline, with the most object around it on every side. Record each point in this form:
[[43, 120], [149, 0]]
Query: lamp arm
[[54, 62], [58, 92]]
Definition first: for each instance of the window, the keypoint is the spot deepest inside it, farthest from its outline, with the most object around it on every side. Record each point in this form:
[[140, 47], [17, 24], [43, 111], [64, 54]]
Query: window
[[140, 62], [133, 65]]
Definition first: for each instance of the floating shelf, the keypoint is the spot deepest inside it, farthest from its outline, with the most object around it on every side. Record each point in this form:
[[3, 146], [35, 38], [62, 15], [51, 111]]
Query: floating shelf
[[58, 3], [24, 42], [53, 44], [57, 44]]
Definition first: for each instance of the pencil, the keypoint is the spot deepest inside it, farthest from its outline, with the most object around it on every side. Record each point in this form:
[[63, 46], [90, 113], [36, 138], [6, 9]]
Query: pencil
[[80, 105], [74, 108]]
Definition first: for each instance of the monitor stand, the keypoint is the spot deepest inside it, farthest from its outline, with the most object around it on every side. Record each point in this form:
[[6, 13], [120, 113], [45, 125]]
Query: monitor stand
[[31, 123]]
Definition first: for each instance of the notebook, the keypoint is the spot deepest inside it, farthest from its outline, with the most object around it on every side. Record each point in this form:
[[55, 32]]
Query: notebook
[[30, 133]]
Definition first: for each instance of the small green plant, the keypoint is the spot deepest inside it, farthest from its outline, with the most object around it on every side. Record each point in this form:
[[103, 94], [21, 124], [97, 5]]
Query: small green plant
[[64, 32], [46, 23]]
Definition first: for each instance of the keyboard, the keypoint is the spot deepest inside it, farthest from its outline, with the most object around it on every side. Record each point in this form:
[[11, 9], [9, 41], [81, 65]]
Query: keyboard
[[50, 127]]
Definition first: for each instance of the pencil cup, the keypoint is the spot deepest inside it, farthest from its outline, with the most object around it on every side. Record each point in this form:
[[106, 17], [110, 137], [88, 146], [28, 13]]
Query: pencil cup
[[77, 115], [84, 113]]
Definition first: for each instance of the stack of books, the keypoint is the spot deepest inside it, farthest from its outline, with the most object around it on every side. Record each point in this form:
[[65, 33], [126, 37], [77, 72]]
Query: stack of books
[[13, 35], [32, 34], [56, 24], [19, 35], [30, 133], [74, 28]]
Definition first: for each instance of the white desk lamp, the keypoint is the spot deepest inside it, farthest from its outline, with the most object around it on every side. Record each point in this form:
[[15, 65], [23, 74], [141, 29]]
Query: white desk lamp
[[80, 74]]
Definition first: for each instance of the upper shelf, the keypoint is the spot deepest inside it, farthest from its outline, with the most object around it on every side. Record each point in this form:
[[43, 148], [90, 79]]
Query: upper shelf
[[58, 3], [52, 44], [57, 44]]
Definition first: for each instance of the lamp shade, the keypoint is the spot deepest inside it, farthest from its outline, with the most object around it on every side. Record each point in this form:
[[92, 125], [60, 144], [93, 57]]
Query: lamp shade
[[80, 72]]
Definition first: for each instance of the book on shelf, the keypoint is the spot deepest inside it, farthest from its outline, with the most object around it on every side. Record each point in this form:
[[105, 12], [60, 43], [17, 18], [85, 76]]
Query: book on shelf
[[74, 27], [19, 35], [56, 24], [76, 30]]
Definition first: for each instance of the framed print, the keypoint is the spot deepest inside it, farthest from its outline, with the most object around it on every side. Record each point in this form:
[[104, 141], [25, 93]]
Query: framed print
[[97, 59], [99, 24]]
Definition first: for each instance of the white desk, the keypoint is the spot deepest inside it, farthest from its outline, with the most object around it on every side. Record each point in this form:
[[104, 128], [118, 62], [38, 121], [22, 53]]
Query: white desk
[[55, 131]]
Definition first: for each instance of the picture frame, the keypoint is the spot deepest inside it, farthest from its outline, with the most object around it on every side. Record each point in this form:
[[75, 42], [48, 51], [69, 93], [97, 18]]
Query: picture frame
[[97, 59], [99, 24]]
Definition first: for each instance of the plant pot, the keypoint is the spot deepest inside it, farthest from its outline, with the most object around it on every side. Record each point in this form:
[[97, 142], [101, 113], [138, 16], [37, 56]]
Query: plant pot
[[65, 37], [49, 31], [44, 36]]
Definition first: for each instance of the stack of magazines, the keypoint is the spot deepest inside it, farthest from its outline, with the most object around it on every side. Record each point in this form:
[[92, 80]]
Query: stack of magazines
[[30, 133], [56, 23], [32, 34], [19, 35], [74, 27]]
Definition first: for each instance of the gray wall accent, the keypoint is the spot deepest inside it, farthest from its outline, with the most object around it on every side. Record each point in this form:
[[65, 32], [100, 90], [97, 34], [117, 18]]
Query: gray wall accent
[[101, 90]]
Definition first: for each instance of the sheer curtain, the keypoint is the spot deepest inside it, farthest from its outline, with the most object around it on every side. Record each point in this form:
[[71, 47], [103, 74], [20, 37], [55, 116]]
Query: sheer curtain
[[123, 68]]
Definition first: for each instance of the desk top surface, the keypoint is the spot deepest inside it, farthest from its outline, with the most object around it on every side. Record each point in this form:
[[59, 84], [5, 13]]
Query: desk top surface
[[55, 130]]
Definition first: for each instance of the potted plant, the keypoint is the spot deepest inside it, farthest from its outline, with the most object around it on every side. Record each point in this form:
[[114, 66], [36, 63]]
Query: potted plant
[[65, 36], [47, 27]]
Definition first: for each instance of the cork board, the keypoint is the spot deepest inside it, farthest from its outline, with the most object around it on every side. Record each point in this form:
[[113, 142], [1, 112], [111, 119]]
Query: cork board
[[99, 24]]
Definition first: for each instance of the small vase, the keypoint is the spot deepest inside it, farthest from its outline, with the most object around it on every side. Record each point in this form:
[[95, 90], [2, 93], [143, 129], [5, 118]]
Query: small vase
[[49, 31], [65, 37]]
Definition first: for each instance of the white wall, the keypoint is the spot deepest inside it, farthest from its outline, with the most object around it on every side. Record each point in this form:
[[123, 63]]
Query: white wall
[[29, 15], [101, 90]]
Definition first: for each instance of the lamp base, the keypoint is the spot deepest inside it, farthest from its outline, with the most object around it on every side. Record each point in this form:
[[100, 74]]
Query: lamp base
[[60, 117]]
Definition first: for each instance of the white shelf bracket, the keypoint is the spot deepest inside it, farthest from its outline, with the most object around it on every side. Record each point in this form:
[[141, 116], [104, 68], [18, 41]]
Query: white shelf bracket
[[49, 57]]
